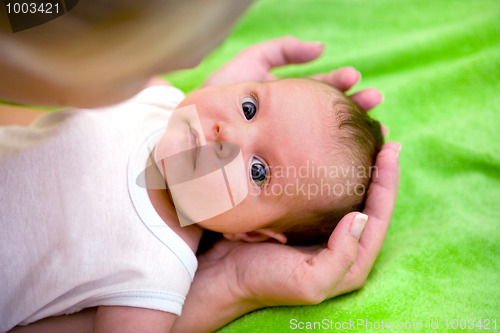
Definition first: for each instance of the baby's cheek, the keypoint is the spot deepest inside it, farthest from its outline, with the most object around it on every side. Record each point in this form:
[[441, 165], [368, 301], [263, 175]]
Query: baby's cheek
[[219, 184], [200, 199], [237, 180]]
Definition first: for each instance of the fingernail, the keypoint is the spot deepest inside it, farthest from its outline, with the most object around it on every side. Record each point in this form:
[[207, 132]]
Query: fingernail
[[360, 76], [398, 150], [357, 225], [318, 44]]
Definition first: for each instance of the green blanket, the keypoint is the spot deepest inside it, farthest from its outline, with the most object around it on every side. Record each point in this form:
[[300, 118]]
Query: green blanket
[[438, 64]]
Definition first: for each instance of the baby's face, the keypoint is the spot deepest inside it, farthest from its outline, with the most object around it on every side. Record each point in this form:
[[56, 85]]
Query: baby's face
[[270, 131]]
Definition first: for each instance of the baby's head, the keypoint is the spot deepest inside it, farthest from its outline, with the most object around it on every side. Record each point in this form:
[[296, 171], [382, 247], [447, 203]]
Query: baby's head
[[307, 155]]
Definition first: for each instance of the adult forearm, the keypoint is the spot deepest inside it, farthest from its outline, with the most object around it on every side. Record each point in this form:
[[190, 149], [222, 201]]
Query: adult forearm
[[211, 303], [17, 115]]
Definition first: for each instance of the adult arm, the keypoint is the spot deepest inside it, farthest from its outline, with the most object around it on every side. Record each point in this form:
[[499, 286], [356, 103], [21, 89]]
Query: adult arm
[[23, 116], [18, 115]]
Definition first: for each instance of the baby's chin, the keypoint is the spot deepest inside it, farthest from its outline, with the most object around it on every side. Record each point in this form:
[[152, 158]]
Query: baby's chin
[[215, 224], [208, 225]]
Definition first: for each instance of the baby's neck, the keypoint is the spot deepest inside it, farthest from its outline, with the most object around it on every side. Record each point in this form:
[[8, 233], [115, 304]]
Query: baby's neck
[[166, 210]]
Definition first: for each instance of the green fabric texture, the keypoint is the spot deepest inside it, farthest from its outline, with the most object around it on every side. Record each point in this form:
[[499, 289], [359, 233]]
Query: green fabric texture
[[438, 64]]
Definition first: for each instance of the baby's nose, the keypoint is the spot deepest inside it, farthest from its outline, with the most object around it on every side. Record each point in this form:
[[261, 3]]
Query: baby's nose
[[230, 133], [224, 132]]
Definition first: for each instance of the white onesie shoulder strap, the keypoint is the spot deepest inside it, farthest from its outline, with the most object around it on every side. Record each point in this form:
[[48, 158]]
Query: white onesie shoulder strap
[[146, 211]]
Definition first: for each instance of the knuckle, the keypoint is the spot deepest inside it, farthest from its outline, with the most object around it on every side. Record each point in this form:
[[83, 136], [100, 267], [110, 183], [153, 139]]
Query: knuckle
[[360, 281], [249, 51], [347, 260], [312, 292], [314, 296]]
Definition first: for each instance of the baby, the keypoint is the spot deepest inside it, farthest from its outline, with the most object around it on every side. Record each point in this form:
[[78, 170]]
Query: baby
[[88, 221], [306, 151]]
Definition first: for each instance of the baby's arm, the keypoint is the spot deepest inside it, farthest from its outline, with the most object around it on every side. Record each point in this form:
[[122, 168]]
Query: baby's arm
[[105, 319], [128, 319]]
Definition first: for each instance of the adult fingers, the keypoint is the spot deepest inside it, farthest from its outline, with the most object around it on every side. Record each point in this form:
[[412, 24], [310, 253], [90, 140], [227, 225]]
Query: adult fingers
[[343, 78], [329, 266], [382, 196], [367, 98], [381, 199], [284, 51], [379, 207]]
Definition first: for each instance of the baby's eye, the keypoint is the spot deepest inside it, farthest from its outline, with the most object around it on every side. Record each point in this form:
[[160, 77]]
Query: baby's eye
[[249, 107], [258, 172]]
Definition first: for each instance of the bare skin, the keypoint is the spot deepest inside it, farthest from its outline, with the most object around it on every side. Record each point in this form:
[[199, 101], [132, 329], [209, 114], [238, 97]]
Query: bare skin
[[236, 277]]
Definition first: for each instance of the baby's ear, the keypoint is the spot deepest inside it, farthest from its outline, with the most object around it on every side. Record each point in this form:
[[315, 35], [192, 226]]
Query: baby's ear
[[256, 236]]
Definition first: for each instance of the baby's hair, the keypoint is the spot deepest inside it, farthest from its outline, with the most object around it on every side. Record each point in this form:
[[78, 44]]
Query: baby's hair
[[359, 139]]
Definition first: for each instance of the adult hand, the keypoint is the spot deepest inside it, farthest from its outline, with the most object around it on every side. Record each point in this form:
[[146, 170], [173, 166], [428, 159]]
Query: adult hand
[[256, 62], [234, 278], [237, 277], [271, 274]]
